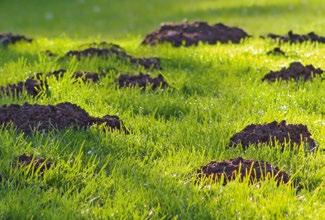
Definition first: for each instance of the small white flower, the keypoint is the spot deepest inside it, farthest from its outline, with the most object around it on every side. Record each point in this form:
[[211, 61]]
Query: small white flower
[[283, 108], [260, 112]]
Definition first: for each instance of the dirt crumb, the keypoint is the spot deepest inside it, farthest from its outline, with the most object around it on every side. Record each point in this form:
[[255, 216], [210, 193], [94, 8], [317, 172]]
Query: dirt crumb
[[36, 163], [191, 33], [276, 52], [240, 168]]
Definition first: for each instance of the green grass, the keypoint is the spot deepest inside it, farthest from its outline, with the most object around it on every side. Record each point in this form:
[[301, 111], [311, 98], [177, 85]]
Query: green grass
[[217, 90]]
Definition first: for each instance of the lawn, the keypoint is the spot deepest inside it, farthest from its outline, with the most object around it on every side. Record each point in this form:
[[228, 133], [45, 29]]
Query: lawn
[[216, 91]]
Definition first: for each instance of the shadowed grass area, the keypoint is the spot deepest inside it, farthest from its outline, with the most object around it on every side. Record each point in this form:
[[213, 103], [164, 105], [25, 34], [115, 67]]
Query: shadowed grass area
[[84, 18]]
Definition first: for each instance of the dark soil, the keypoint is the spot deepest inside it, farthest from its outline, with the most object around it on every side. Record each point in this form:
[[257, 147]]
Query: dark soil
[[31, 86], [43, 76], [113, 50], [87, 77], [43, 118], [37, 84], [191, 33], [9, 38], [296, 71], [142, 81], [34, 85], [36, 163], [272, 133], [50, 53], [276, 52], [296, 38], [230, 169]]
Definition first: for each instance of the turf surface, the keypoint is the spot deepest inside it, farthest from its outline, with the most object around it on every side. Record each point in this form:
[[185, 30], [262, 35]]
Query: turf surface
[[217, 90]]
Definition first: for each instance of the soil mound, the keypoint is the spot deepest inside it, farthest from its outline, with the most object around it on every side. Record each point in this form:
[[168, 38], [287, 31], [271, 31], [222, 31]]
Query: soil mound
[[272, 133], [31, 86], [142, 81], [296, 38], [113, 50], [36, 163], [296, 71], [37, 84], [9, 38], [87, 77], [28, 118], [276, 52], [241, 168], [191, 33]]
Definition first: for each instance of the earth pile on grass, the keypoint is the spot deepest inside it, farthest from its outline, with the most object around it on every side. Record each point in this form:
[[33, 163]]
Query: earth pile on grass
[[297, 38], [187, 34], [296, 71], [272, 133], [240, 168], [37, 84], [142, 80], [113, 50], [43, 118], [9, 38], [31, 86]]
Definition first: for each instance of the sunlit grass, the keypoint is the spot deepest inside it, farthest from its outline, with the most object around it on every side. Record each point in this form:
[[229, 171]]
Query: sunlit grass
[[216, 91]]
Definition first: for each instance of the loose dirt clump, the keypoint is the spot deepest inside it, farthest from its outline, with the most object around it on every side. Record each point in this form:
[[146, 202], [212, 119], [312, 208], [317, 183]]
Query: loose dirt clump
[[272, 133], [276, 52], [37, 84], [296, 71], [9, 38], [191, 33], [36, 163], [296, 38], [113, 50], [28, 118], [85, 76], [31, 86], [142, 81], [88, 76], [49, 53], [229, 170]]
